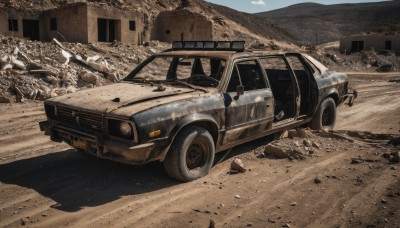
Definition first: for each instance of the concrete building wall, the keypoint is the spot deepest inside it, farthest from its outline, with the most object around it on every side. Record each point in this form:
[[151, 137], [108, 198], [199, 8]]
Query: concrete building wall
[[376, 41], [77, 22], [6, 14], [123, 19], [71, 22], [181, 24]]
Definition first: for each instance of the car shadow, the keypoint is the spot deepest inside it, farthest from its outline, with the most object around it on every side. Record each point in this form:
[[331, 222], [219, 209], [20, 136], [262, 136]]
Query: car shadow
[[75, 180], [241, 149]]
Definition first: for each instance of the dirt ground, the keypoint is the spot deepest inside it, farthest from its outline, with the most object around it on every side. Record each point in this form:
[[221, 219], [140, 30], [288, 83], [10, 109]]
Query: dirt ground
[[47, 184]]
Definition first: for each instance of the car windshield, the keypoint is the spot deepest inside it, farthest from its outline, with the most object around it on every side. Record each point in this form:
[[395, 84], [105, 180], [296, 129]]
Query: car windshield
[[196, 71]]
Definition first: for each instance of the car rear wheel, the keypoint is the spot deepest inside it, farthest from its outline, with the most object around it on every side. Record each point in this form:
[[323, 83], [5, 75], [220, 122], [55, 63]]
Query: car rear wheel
[[191, 155], [325, 118]]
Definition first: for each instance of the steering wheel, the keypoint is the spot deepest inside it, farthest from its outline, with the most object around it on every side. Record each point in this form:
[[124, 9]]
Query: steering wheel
[[202, 76]]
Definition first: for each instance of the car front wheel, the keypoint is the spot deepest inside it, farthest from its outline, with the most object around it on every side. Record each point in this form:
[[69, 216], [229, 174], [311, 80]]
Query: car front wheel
[[191, 155], [325, 118]]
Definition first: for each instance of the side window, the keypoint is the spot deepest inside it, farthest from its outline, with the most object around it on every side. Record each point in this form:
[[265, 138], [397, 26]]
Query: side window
[[276, 68], [278, 75], [297, 67], [248, 74], [184, 69]]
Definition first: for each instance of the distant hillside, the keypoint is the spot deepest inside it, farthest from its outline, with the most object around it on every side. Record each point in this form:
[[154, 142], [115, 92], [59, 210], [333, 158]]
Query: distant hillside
[[255, 23], [311, 22]]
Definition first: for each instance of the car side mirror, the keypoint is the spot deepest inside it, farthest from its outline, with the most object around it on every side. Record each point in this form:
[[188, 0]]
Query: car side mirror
[[239, 90]]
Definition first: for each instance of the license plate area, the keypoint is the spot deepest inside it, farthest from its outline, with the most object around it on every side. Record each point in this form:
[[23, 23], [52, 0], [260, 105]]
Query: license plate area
[[79, 143]]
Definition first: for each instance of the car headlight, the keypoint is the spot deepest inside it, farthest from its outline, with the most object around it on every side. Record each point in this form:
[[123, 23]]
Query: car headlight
[[125, 129], [120, 128]]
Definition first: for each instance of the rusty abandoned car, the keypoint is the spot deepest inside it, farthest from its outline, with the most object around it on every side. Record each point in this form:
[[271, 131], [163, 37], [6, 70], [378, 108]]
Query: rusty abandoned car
[[183, 105]]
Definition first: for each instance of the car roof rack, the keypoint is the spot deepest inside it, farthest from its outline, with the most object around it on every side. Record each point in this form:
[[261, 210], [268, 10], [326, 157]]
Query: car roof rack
[[237, 46]]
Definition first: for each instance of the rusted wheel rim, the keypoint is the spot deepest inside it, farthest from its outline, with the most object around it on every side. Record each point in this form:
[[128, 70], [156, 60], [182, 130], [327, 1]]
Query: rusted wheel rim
[[195, 156]]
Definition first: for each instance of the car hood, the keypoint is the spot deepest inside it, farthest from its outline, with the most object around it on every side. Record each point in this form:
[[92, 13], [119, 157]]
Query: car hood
[[112, 97]]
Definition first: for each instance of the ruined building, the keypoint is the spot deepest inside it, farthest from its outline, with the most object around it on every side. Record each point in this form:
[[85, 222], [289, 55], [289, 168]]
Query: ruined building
[[181, 24], [77, 22], [378, 42]]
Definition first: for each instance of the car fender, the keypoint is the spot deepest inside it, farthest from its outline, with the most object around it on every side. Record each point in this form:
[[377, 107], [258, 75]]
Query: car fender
[[331, 92], [186, 121]]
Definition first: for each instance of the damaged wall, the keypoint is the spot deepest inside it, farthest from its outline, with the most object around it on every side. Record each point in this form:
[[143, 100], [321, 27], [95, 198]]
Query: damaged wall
[[18, 19], [126, 26], [181, 24], [69, 22], [378, 42], [77, 22]]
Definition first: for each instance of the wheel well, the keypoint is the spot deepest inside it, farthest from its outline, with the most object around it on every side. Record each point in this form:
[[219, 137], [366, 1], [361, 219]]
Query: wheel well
[[209, 126], [335, 98]]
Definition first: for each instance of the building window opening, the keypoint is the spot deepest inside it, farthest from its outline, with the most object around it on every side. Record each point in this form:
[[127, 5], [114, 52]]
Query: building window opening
[[53, 24], [13, 25], [132, 25], [168, 32], [388, 45], [357, 46]]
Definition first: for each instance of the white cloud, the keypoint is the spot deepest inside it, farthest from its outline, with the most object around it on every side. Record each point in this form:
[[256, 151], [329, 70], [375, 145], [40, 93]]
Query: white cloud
[[258, 2]]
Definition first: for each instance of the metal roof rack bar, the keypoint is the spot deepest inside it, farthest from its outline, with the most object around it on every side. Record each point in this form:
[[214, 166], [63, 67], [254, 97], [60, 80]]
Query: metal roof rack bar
[[237, 46]]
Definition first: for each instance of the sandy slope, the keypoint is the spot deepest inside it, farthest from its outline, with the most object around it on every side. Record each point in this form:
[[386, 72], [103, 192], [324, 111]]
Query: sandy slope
[[48, 184]]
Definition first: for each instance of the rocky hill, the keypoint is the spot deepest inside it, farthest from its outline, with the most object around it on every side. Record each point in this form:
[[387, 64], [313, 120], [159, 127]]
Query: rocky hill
[[314, 23]]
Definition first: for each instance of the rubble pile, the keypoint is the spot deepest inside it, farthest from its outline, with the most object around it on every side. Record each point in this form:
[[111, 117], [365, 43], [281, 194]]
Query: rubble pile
[[38, 70], [301, 144], [364, 61]]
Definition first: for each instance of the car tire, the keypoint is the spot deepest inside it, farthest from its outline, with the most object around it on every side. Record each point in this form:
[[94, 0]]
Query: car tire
[[325, 117], [191, 155]]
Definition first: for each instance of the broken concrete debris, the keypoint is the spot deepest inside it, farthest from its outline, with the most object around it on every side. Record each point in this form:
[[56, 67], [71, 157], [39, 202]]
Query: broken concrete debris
[[237, 165], [39, 70]]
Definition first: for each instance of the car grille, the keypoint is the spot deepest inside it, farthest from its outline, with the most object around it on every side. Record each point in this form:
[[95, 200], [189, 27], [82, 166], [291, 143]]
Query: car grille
[[75, 117]]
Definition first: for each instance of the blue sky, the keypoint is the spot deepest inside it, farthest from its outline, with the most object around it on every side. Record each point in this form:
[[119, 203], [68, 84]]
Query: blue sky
[[255, 6]]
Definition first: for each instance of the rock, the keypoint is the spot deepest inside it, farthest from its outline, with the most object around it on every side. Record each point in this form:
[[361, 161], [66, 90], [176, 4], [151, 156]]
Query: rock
[[307, 143], [237, 197], [51, 80], [356, 161], [113, 77], [296, 143], [316, 145], [237, 165], [299, 133], [271, 221], [383, 200], [23, 221], [293, 204], [5, 100], [280, 135], [277, 152], [212, 224], [249, 224], [317, 181], [90, 78], [395, 158]]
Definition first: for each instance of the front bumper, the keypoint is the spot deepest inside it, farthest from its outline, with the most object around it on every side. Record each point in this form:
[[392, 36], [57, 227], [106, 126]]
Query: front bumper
[[99, 145]]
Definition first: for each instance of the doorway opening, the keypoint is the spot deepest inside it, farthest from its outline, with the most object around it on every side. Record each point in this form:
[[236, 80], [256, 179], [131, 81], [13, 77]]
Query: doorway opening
[[30, 29], [388, 45], [108, 30]]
